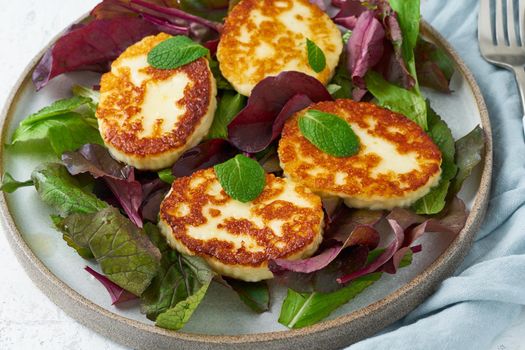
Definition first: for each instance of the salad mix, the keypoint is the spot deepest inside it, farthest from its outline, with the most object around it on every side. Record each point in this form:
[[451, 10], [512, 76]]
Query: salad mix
[[107, 211]]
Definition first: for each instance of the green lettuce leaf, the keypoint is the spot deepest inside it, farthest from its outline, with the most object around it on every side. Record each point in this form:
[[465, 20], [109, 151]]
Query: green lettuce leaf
[[178, 288], [434, 202], [125, 253], [254, 294], [305, 309], [63, 192], [469, 150], [10, 185], [60, 124], [397, 99], [408, 13], [230, 104]]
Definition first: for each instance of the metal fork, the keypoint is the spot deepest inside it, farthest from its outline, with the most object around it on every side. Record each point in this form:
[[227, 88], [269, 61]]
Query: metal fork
[[501, 36]]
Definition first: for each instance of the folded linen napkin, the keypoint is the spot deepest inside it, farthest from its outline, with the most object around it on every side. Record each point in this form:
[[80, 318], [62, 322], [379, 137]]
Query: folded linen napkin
[[487, 292]]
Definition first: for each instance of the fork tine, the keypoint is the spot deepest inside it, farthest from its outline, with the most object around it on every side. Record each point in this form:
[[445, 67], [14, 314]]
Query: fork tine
[[500, 24], [521, 21], [485, 32], [511, 24]]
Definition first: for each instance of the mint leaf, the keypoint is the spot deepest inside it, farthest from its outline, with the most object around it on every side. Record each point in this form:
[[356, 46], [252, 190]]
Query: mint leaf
[[166, 175], [10, 185], [397, 99], [469, 149], [330, 133], [229, 105], [175, 52], [242, 178], [62, 191], [125, 254], [254, 294], [316, 57]]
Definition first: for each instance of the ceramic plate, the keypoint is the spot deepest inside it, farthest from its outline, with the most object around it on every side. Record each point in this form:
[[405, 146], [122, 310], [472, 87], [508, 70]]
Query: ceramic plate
[[222, 320]]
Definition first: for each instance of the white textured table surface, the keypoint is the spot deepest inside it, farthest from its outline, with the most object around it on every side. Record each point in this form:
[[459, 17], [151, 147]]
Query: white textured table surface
[[28, 320]]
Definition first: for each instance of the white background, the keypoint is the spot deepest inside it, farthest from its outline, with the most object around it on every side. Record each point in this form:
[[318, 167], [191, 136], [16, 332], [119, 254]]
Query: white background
[[28, 320]]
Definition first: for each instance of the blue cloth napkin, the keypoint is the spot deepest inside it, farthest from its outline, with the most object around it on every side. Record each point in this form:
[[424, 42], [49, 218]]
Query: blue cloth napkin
[[487, 292]]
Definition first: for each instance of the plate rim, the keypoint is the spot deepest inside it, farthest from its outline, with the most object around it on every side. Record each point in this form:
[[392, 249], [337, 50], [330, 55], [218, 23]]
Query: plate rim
[[366, 321]]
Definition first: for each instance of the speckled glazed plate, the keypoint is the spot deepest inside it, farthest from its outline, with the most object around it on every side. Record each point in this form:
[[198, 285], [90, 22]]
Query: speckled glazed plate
[[222, 321]]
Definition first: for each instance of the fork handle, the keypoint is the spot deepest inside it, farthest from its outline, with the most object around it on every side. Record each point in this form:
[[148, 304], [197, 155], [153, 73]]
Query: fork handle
[[519, 72]]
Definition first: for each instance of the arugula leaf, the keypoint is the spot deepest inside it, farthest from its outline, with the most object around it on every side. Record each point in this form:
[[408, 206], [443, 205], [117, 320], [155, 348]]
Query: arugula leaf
[[242, 178], [175, 52], [125, 254], [254, 294], [305, 309], [408, 103], [230, 105], [62, 191], [166, 175], [330, 133], [469, 149], [316, 57], [10, 185], [178, 287]]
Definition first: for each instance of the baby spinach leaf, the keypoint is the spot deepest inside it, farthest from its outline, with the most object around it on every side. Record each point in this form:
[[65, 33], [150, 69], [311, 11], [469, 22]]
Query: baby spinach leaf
[[229, 106], [304, 309], [63, 192], [10, 185], [178, 287], [316, 57], [469, 150], [56, 108], [434, 201], [175, 52], [242, 178], [397, 99], [125, 254], [330, 133], [254, 294]]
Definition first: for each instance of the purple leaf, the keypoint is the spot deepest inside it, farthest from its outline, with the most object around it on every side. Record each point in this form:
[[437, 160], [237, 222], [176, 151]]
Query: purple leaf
[[97, 161], [312, 264], [90, 47], [203, 156], [365, 47], [389, 252], [434, 67], [153, 192], [118, 294], [260, 122], [349, 11]]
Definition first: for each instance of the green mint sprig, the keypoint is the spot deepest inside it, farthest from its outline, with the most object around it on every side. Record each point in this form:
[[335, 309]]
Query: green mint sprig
[[175, 52], [242, 178], [316, 57], [330, 133]]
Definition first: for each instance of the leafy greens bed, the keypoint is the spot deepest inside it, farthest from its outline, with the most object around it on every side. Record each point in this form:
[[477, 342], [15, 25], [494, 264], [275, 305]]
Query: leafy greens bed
[[107, 211]]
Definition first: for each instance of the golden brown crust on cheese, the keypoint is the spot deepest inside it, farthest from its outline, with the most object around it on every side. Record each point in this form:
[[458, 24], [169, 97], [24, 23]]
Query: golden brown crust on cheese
[[120, 107], [238, 55], [301, 226], [406, 135]]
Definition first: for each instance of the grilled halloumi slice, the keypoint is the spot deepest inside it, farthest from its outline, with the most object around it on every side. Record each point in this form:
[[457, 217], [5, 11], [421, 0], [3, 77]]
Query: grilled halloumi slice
[[148, 117], [263, 38], [397, 162], [238, 239]]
